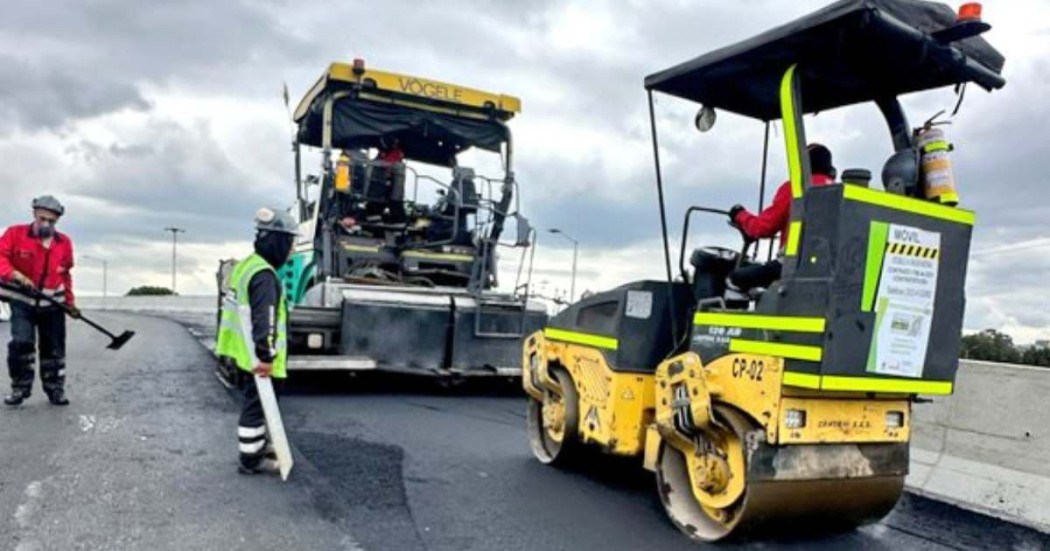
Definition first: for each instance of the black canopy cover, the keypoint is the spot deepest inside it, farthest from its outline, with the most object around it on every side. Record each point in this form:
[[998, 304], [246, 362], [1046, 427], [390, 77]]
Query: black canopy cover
[[848, 52], [425, 136]]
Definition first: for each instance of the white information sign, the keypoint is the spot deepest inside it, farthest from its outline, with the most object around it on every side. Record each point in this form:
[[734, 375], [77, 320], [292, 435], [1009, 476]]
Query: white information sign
[[639, 304], [905, 301]]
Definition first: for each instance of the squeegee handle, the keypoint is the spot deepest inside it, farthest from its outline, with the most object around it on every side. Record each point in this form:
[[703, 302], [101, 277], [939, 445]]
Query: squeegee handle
[[35, 294], [98, 327]]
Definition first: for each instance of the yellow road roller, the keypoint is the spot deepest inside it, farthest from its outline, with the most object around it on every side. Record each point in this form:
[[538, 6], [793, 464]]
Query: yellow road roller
[[787, 404]]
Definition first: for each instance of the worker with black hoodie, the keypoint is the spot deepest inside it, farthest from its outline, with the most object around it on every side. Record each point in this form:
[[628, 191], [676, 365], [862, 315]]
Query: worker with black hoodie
[[253, 330]]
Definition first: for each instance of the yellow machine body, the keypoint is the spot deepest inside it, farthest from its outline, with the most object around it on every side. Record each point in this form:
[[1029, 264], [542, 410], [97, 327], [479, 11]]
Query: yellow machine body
[[620, 411], [713, 417], [615, 408]]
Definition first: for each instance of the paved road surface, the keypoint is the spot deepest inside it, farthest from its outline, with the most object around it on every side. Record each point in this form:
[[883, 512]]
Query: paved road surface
[[144, 459]]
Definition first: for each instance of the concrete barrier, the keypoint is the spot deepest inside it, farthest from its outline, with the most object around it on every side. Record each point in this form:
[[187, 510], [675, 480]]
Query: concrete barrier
[[987, 447], [196, 304]]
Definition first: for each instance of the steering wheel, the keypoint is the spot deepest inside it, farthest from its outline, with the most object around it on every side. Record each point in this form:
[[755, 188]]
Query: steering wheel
[[724, 253], [733, 256]]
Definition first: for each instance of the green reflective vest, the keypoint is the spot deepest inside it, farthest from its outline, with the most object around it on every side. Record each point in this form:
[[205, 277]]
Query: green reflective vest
[[235, 329]]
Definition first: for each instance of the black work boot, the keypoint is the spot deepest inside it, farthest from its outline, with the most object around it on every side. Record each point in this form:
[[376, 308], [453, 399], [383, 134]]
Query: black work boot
[[16, 398], [58, 397], [266, 466]]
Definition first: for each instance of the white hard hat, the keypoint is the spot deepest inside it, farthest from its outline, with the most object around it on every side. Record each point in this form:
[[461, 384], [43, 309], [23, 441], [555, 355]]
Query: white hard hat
[[275, 220]]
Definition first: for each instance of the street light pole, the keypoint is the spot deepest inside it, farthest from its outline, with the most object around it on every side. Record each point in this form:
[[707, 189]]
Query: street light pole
[[105, 274], [174, 248], [575, 255]]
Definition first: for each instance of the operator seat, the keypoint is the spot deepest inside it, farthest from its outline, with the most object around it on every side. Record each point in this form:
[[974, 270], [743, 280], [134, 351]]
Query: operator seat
[[465, 190], [711, 267], [380, 186]]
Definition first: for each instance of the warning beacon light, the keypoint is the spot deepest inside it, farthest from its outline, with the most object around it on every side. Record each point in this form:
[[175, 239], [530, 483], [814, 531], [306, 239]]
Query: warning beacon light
[[970, 11]]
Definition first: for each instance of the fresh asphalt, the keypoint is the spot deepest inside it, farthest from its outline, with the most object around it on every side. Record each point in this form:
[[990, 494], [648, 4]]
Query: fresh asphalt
[[144, 458]]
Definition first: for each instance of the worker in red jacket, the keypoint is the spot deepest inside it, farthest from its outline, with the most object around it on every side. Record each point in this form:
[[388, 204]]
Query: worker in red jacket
[[775, 219], [36, 259], [390, 152]]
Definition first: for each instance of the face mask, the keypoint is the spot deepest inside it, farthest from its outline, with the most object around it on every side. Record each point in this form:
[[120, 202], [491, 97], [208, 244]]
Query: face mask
[[44, 229], [274, 247]]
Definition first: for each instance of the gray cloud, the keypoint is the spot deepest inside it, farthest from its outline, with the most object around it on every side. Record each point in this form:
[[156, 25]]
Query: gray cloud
[[176, 176], [50, 95], [173, 156], [70, 60]]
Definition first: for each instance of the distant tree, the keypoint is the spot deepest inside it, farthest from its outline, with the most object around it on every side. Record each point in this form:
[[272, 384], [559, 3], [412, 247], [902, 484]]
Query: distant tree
[[1037, 355], [150, 291], [990, 345]]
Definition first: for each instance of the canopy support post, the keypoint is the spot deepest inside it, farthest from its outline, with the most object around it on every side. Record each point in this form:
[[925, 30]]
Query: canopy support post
[[798, 163], [663, 218], [900, 132], [327, 260], [762, 183], [765, 164], [300, 194], [499, 217]]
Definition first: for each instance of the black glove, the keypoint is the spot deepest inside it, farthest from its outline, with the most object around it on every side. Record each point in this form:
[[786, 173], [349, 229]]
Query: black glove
[[74, 312], [735, 210]]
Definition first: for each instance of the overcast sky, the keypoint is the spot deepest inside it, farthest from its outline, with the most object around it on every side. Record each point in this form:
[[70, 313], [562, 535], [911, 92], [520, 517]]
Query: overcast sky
[[141, 115]]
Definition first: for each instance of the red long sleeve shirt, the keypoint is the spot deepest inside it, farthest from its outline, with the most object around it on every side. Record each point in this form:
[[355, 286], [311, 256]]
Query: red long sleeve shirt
[[395, 155], [776, 217], [49, 268]]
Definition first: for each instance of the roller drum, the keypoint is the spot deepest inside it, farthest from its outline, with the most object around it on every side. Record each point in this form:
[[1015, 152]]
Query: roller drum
[[848, 489]]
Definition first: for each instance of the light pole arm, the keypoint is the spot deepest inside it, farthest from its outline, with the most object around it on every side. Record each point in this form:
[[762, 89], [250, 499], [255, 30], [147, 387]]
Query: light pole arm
[[575, 255]]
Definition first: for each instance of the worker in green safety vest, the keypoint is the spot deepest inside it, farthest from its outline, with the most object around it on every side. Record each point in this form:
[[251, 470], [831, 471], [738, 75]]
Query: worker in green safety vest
[[253, 330]]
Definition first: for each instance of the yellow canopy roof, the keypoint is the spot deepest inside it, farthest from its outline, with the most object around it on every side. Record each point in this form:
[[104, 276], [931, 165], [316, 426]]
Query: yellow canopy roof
[[398, 89]]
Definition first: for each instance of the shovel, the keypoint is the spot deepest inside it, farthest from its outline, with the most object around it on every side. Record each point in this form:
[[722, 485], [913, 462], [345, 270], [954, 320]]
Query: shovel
[[116, 341]]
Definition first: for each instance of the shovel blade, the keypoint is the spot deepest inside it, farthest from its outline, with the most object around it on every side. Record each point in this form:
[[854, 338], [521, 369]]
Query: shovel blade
[[120, 340]]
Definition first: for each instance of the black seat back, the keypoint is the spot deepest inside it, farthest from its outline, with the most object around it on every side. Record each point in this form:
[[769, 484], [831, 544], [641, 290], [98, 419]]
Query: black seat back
[[900, 174], [711, 267], [466, 192]]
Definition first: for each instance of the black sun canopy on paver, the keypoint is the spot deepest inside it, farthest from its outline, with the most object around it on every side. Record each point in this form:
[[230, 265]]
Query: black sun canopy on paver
[[849, 52]]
